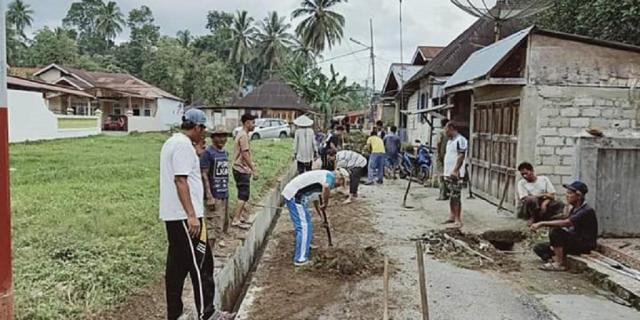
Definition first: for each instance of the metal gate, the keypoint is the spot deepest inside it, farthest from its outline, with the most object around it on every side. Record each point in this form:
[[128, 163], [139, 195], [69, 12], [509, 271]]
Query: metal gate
[[494, 150], [617, 200]]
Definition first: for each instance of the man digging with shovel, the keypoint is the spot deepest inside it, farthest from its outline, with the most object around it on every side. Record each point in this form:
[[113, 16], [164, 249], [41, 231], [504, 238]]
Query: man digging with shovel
[[297, 196]]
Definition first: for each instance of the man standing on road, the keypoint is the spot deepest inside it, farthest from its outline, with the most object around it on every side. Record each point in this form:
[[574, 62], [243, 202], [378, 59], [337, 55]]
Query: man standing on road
[[376, 159], [181, 208], [392, 146], [380, 129], [575, 234], [304, 148], [454, 171], [214, 164], [354, 163], [442, 149], [537, 196], [298, 194], [243, 170]]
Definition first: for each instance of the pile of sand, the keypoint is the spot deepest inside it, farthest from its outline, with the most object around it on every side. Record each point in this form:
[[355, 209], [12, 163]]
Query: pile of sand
[[348, 262]]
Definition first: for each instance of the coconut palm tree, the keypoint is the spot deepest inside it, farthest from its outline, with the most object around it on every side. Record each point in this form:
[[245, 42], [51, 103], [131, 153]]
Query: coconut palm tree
[[109, 21], [242, 37], [20, 16], [322, 27], [184, 38], [273, 40]]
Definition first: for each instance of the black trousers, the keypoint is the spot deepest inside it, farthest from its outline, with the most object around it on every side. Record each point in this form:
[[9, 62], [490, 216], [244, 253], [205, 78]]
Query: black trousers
[[561, 238], [304, 167], [354, 180], [183, 258]]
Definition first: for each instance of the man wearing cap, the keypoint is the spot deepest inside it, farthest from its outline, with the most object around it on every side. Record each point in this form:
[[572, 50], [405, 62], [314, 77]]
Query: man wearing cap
[[298, 194], [243, 169], [304, 148], [575, 234], [181, 209], [214, 163]]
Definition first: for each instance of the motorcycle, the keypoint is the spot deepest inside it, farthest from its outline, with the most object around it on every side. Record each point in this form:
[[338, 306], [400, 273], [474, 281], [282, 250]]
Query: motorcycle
[[416, 162]]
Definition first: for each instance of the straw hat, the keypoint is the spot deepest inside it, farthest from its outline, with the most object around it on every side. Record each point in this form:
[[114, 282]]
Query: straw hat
[[303, 121]]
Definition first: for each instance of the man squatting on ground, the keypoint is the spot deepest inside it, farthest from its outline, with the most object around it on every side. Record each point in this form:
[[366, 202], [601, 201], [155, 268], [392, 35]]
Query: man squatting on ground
[[243, 169], [354, 163], [575, 234], [298, 194], [181, 208], [454, 171], [214, 163], [537, 196]]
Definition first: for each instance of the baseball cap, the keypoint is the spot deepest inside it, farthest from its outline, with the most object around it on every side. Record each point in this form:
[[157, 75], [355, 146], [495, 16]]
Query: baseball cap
[[577, 186], [195, 116]]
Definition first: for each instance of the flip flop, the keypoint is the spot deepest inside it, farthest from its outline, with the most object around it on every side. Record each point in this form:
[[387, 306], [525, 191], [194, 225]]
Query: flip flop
[[552, 267], [448, 221]]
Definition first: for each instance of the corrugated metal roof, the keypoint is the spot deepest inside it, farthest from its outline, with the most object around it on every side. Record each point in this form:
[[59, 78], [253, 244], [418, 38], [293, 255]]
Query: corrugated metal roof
[[481, 62], [27, 84], [398, 75]]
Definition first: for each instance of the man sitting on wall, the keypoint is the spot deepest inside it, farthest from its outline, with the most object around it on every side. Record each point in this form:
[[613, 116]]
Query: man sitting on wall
[[575, 234], [537, 196]]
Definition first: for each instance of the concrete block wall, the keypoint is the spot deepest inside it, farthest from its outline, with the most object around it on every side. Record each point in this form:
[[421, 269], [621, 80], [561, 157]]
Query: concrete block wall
[[564, 114]]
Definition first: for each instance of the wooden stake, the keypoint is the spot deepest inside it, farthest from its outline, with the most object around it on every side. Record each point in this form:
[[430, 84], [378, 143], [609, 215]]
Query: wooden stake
[[423, 281], [385, 316]]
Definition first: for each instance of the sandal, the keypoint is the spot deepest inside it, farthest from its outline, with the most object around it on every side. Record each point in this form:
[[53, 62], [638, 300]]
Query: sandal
[[449, 221], [552, 267]]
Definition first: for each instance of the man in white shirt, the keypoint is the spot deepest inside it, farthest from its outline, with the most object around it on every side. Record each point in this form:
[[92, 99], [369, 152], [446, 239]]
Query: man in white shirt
[[537, 196], [354, 163], [181, 209], [454, 171]]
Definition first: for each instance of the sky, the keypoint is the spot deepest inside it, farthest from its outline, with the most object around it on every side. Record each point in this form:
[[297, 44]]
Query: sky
[[425, 22]]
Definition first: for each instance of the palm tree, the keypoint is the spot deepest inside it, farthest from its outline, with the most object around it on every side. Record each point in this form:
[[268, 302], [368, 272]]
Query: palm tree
[[184, 38], [242, 37], [273, 40], [322, 27], [109, 21], [19, 16]]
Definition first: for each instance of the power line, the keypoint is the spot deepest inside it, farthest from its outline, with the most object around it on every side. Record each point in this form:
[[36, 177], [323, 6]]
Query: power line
[[343, 55]]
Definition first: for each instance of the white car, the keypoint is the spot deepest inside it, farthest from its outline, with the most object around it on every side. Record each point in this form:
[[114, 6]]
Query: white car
[[268, 128]]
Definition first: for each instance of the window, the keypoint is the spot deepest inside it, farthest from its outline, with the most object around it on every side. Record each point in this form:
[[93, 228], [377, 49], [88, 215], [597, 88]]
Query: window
[[147, 112], [136, 112], [117, 111], [423, 101]]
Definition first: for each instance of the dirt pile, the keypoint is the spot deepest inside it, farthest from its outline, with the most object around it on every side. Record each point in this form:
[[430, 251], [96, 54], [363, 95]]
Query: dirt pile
[[348, 262], [468, 250]]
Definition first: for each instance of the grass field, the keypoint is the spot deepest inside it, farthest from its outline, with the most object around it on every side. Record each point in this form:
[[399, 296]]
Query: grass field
[[85, 219]]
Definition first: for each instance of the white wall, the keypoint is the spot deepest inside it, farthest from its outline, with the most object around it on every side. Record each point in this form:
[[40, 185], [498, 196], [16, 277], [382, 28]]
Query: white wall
[[145, 124], [416, 130], [169, 113], [30, 119]]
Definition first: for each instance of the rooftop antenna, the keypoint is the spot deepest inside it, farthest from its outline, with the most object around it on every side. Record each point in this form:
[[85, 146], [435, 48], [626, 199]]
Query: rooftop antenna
[[501, 11]]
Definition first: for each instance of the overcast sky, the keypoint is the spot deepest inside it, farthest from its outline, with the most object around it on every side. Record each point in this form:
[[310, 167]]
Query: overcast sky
[[425, 22]]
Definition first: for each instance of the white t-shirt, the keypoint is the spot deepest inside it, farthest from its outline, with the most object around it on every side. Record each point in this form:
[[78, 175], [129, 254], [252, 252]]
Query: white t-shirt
[[307, 179], [350, 159], [178, 158], [455, 146], [536, 188]]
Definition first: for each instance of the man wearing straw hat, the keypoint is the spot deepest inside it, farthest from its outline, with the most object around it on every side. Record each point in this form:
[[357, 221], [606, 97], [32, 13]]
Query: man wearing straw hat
[[304, 148]]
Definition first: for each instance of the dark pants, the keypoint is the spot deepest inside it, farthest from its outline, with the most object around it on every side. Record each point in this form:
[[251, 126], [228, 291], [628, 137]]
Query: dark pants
[[243, 183], [304, 167], [531, 209], [561, 238], [354, 180], [183, 257]]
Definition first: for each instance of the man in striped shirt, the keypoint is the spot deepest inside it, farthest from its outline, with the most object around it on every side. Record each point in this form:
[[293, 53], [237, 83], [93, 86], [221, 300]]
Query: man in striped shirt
[[354, 163]]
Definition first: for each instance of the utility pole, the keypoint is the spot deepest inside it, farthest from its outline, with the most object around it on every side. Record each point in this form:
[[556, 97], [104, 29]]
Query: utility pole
[[373, 59], [401, 85], [6, 286]]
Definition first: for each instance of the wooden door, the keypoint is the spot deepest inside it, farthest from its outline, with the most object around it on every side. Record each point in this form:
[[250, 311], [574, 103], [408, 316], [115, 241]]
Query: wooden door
[[494, 150]]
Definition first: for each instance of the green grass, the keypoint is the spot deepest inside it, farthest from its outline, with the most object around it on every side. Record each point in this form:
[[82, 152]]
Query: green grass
[[86, 231], [69, 123]]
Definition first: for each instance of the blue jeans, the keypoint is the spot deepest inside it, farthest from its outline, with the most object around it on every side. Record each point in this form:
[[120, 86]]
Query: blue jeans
[[376, 167]]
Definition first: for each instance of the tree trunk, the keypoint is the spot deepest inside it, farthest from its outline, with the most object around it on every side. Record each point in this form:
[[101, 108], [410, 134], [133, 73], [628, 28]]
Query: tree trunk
[[241, 80]]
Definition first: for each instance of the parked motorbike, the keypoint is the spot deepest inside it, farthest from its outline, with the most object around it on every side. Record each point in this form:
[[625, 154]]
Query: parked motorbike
[[416, 162]]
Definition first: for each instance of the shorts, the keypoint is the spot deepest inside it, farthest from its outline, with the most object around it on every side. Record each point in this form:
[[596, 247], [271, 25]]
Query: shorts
[[561, 238], [392, 160], [215, 219], [454, 187], [243, 183]]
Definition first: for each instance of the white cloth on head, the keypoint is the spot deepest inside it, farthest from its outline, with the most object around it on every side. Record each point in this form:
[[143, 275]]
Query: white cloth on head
[[455, 146], [178, 158]]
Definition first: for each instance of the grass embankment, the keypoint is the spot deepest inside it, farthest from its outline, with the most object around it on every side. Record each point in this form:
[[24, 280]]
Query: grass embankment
[[86, 231]]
